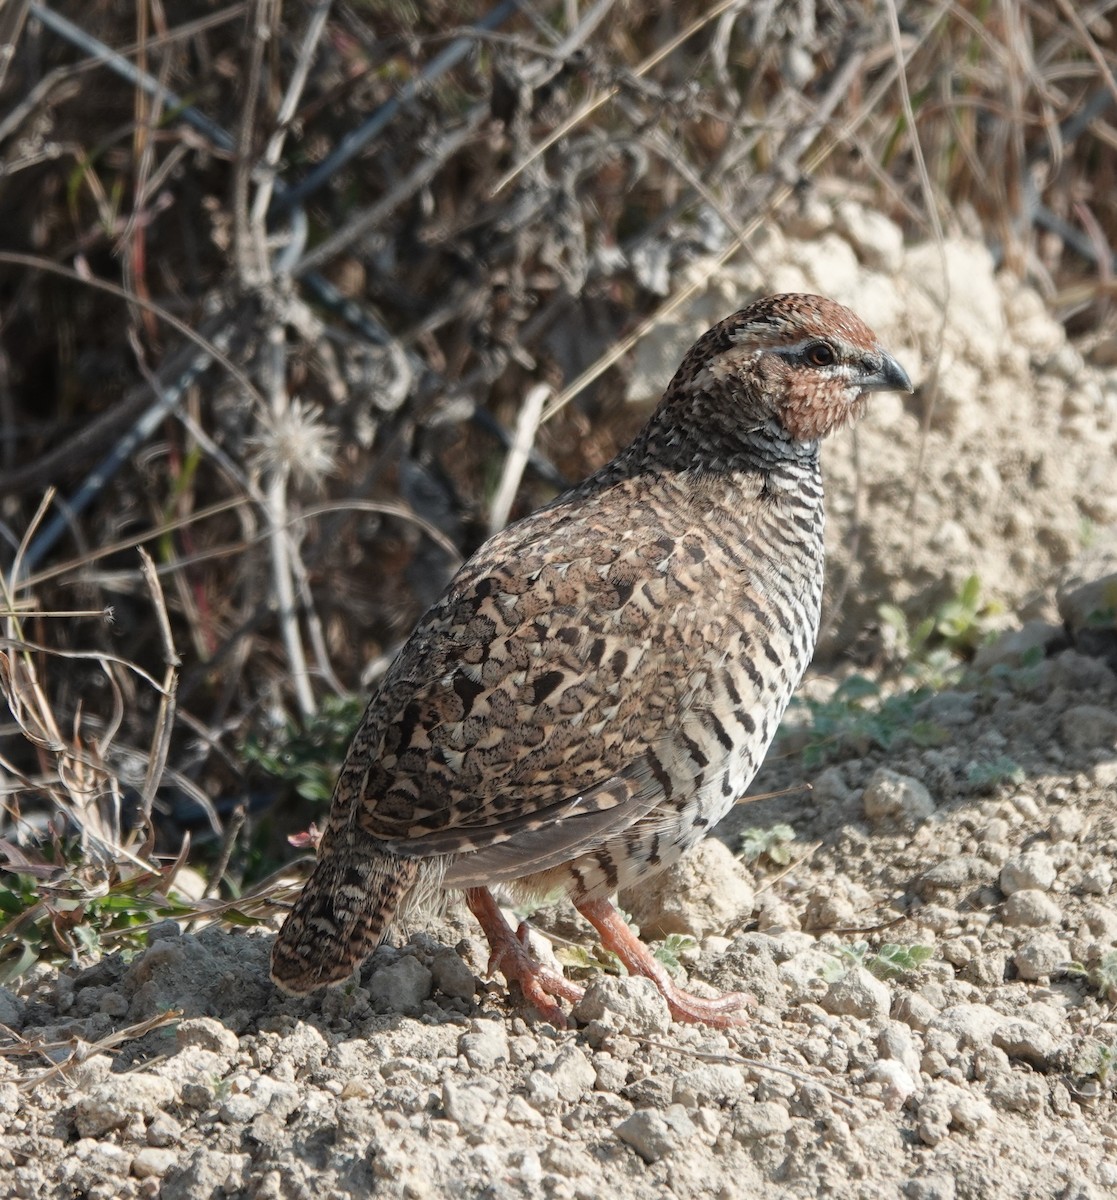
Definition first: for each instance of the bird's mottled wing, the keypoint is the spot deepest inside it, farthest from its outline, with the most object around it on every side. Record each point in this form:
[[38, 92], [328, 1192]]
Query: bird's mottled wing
[[534, 695]]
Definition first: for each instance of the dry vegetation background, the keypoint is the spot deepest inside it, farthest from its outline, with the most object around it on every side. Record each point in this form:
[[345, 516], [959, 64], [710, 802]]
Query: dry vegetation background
[[300, 301]]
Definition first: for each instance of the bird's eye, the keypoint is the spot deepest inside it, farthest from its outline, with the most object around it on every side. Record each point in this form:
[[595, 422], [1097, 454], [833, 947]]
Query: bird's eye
[[819, 354]]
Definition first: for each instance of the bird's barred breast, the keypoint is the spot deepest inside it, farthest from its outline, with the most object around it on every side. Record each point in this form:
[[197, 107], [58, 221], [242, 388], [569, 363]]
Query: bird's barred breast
[[743, 600]]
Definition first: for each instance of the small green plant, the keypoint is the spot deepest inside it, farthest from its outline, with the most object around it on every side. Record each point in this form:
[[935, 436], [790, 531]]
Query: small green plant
[[672, 948], [891, 961], [858, 716], [773, 843], [933, 650], [55, 904], [1102, 976], [592, 958], [1097, 1062], [306, 757], [985, 776]]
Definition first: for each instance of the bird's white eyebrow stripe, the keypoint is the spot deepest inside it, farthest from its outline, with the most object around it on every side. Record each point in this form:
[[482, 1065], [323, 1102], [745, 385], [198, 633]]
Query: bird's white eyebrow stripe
[[800, 346]]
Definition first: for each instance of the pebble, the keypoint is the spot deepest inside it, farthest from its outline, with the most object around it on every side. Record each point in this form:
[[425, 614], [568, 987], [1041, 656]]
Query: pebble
[[930, 1187], [710, 1084], [1032, 869], [706, 891], [915, 1010], [892, 799], [114, 1103], [957, 871], [1041, 957], [858, 993], [208, 1034], [630, 1004], [899, 1083], [163, 1131], [944, 1106], [1088, 725], [1030, 908], [1029, 1042], [452, 976], [152, 1162], [401, 986], [766, 1119], [572, 1073], [204, 1174], [1098, 879], [967, 1024], [467, 1105], [653, 1134], [542, 1092], [485, 1045]]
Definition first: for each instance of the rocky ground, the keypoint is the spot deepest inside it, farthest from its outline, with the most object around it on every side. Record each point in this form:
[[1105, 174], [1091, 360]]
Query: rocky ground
[[973, 828], [985, 834]]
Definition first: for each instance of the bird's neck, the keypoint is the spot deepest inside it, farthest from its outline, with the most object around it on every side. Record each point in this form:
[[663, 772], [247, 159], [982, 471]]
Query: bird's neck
[[717, 442]]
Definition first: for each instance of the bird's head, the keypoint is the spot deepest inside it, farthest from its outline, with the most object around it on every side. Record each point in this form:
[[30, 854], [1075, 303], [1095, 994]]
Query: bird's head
[[803, 361]]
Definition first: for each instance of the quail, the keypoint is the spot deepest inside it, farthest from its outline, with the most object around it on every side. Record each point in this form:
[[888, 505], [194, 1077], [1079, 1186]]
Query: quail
[[600, 681]]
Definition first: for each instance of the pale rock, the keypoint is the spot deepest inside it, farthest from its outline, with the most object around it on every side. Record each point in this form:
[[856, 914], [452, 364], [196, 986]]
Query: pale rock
[[152, 1162], [801, 975], [1030, 1042], [969, 293], [858, 993], [945, 1106], [710, 1084], [467, 1105], [898, 1082], [895, 1042], [1030, 908], [203, 1174], [631, 1004], [119, 1099], [1098, 879], [304, 1047], [572, 1074], [765, 1119], [208, 1034], [653, 1134], [915, 1010], [892, 799], [485, 1045], [706, 891], [830, 264], [401, 986], [968, 1024], [1032, 869], [1041, 957]]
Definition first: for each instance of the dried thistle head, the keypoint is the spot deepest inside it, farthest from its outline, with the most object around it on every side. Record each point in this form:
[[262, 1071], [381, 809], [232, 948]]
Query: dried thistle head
[[296, 442]]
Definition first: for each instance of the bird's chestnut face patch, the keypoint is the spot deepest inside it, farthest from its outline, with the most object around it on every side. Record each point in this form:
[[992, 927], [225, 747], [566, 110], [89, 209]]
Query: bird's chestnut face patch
[[811, 362]]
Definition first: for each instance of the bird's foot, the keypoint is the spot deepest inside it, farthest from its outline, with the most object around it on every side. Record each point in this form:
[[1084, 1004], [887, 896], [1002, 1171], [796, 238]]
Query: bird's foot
[[724, 1011], [512, 958]]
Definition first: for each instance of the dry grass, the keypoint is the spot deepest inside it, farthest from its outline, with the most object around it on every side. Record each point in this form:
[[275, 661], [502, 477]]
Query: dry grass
[[306, 384]]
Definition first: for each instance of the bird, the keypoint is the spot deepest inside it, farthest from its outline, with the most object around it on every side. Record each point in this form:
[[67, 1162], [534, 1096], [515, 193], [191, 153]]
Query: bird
[[601, 680]]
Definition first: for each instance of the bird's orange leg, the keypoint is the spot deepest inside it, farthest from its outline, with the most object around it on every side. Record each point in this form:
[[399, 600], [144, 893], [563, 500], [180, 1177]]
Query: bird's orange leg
[[639, 960], [511, 957]]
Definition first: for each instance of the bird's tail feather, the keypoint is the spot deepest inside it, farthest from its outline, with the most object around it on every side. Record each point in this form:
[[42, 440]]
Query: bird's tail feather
[[344, 911]]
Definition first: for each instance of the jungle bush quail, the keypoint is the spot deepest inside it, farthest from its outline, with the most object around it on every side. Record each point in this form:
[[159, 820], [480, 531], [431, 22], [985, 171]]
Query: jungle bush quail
[[601, 681]]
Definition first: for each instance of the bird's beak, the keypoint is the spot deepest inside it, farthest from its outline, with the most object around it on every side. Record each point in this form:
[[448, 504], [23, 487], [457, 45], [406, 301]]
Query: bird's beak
[[883, 373]]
